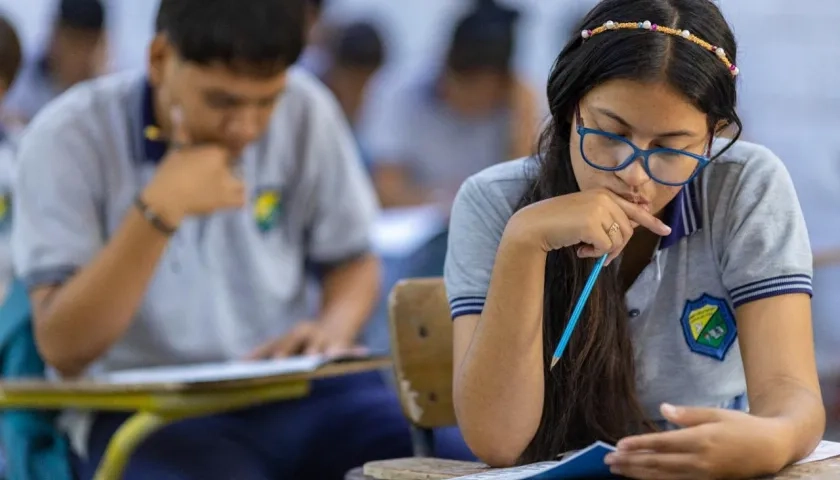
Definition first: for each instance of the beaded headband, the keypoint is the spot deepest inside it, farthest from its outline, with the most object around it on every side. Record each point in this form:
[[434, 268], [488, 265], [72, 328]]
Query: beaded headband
[[646, 25]]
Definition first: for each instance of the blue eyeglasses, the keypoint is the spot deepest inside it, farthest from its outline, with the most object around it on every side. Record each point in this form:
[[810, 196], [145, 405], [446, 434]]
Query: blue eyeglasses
[[610, 152]]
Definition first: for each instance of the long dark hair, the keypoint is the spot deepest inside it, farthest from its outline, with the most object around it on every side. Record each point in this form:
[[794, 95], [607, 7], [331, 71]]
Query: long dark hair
[[591, 394]]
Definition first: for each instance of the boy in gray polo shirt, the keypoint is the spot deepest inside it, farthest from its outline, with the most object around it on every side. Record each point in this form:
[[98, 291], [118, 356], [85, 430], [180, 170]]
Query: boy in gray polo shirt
[[167, 218]]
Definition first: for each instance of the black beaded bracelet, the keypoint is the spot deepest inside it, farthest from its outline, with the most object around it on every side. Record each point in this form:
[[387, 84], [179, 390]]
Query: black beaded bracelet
[[152, 217]]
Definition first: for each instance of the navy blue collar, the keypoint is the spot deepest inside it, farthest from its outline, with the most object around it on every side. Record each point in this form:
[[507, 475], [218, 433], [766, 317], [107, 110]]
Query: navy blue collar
[[153, 149], [683, 214]]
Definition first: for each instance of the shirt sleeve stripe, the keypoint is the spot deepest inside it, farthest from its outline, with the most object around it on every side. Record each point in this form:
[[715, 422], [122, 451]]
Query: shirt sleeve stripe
[[464, 312], [770, 288], [461, 306], [780, 280], [770, 293], [49, 277], [462, 300]]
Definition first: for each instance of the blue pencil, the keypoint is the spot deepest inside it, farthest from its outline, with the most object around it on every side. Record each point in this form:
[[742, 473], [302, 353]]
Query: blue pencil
[[584, 295]]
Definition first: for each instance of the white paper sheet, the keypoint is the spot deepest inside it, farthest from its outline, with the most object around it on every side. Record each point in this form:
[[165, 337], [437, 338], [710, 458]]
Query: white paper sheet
[[515, 473], [824, 450], [213, 372], [399, 232]]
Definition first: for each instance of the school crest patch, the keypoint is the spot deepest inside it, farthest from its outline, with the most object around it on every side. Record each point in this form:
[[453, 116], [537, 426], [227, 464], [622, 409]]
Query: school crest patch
[[709, 326], [267, 208]]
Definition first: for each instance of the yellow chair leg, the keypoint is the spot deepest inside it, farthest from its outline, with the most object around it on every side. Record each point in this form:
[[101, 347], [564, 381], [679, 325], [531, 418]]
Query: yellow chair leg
[[125, 441]]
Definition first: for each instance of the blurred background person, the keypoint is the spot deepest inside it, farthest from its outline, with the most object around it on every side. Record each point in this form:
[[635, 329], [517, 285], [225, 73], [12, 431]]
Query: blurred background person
[[10, 60], [469, 114], [356, 52], [313, 12], [74, 53], [314, 56], [10, 56]]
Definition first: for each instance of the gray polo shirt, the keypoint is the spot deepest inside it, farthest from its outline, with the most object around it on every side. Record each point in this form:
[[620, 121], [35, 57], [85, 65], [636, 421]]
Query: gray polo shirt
[[227, 282], [438, 147], [737, 236]]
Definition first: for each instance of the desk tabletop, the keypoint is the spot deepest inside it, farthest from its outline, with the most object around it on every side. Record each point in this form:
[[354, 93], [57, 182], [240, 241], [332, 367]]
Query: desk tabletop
[[439, 469], [87, 386]]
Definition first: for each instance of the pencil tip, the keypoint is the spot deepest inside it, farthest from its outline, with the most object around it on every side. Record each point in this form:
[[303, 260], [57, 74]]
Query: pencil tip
[[554, 362]]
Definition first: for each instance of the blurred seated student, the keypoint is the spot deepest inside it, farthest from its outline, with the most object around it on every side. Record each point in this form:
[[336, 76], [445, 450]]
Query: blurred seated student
[[169, 217], [356, 54], [75, 53], [473, 113], [313, 14], [695, 351], [10, 60], [314, 57], [343, 56]]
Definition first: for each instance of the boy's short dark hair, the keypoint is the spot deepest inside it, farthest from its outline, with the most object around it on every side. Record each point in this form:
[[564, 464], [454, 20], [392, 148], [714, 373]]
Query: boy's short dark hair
[[359, 45], [254, 37], [82, 15], [10, 52], [484, 39]]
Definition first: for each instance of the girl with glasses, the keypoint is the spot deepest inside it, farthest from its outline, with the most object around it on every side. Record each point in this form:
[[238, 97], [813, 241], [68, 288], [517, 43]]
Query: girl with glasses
[[694, 352]]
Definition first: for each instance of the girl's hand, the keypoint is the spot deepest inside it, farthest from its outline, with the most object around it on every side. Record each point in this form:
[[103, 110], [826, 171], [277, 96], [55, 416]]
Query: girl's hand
[[597, 220], [715, 443]]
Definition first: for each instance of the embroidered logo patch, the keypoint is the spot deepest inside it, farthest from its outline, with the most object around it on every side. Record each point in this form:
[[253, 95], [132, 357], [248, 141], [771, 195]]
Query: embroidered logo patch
[[709, 326], [267, 208]]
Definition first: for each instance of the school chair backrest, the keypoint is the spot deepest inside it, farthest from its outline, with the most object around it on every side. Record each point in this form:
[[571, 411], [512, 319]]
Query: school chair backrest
[[421, 348]]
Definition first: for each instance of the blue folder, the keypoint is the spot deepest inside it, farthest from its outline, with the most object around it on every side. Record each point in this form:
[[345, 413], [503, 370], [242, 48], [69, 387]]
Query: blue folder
[[585, 464]]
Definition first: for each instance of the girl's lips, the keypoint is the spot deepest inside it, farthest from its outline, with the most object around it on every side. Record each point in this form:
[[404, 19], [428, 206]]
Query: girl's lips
[[638, 200]]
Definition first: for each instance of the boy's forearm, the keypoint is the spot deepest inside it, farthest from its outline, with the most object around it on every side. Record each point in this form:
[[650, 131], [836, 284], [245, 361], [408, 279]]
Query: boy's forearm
[[350, 293], [82, 319]]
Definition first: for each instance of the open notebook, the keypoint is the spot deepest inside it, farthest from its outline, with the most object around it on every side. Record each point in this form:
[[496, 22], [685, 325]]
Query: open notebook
[[223, 371], [586, 463], [589, 464]]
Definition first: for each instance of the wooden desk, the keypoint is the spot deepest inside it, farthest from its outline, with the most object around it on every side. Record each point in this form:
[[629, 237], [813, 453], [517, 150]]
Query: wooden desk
[[157, 405], [438, 469]]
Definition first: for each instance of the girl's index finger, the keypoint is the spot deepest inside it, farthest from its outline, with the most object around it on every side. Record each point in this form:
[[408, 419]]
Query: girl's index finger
[[640, 216]]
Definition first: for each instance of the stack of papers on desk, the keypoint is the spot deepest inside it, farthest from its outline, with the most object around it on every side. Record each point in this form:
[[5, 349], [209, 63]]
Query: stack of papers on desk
[[221, 371]]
